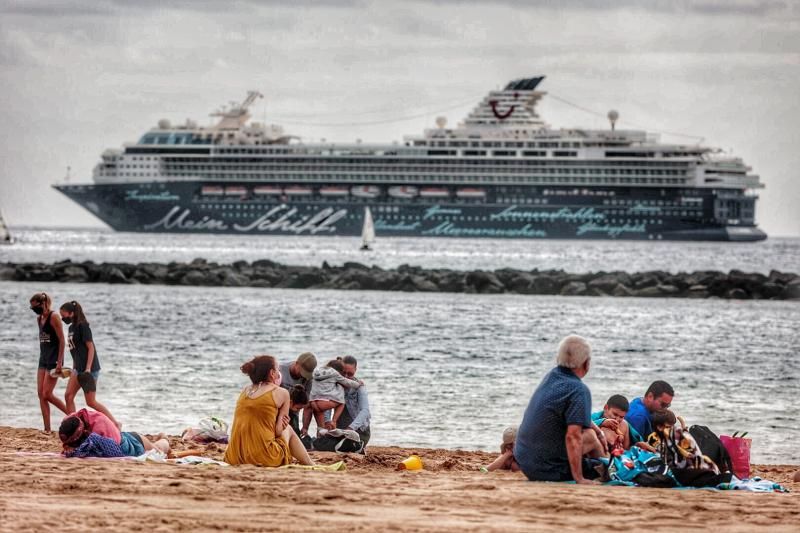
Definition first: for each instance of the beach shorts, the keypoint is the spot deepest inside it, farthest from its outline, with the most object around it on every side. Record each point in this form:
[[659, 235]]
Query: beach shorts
[[131, 444], [87, 384], [47, 365]]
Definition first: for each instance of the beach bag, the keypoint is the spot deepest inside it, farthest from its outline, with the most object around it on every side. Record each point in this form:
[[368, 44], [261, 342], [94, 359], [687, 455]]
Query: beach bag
[[739, 451], [655, 480], [337, 444], [212, 429], [712, 447], [695, 477]]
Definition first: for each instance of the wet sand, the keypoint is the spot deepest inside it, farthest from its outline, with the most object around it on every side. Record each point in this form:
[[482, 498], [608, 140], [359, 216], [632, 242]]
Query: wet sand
[[44, 492]]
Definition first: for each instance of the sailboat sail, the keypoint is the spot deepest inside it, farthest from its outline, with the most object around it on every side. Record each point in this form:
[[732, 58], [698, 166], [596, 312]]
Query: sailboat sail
[[5, 236], [368, 231]]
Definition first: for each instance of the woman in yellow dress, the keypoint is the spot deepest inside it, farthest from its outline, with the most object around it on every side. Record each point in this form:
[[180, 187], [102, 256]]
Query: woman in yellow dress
[[261, 434]]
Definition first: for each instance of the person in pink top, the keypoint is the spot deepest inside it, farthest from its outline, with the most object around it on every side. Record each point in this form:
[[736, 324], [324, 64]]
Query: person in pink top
[[79, 426], [99, 423]]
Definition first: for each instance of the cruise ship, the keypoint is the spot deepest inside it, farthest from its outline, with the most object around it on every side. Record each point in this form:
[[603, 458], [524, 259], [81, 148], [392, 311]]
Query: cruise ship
[[502, 172]]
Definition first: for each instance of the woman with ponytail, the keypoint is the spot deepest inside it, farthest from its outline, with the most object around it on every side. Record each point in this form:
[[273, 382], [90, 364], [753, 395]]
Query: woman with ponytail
[[51, 354], [261, 434], [86, 364]]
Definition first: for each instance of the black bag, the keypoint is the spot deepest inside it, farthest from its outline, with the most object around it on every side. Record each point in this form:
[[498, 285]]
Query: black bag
[[695, 477], [654, 479], [712, 447], [337, 444]]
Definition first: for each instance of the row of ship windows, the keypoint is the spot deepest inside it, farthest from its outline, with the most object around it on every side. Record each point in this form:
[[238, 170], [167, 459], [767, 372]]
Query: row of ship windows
[[659, 203], [179, 169], [398, 178], [345, 164], [458, 218]]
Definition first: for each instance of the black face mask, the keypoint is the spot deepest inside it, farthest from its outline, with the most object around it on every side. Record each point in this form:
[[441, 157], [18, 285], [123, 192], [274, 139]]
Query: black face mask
[[38, 309], [67, 320]]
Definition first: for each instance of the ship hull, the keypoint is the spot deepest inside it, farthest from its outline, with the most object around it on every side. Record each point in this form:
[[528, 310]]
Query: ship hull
[[528, 213]]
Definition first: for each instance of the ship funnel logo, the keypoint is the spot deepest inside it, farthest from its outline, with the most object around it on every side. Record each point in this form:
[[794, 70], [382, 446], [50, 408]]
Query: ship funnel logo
[[502, 115]]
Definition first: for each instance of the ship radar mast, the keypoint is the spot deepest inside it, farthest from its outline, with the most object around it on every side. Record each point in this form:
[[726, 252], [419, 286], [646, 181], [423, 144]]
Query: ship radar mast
[[236, 116], [612, 117]]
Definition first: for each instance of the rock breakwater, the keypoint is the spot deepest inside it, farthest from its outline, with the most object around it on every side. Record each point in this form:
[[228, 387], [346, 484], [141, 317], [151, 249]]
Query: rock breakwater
[[355, 276]]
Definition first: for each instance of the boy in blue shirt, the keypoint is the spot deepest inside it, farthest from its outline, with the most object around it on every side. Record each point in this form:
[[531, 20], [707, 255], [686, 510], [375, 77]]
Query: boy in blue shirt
[[611, 420]]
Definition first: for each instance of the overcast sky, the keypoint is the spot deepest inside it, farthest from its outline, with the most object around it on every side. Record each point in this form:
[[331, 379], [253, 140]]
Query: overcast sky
[[77, 77]]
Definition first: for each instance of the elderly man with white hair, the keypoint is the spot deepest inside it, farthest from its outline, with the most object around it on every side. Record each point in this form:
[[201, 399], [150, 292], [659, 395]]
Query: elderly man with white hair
[[557, 430]]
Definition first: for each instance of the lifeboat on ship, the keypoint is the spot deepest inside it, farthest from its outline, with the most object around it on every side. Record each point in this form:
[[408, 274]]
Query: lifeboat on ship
[[298, 190], [365, 191], [403, 192], [434, 192], [235, 191], [210, 190], [334, 191], [471, 193], [268, 190]]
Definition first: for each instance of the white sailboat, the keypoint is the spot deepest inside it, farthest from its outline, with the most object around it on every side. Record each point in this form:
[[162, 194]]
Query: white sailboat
[[5, 235], [367, 231]]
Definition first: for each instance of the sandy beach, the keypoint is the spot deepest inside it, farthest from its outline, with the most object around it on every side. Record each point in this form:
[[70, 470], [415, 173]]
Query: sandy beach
[[46, 492]]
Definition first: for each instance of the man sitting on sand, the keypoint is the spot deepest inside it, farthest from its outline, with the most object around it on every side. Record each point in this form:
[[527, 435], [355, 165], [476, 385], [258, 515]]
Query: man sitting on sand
[[640, 415], [355, 420], [298, 372], [619, 434], [557, 430]]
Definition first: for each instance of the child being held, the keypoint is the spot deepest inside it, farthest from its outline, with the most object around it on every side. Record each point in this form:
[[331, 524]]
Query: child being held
[[327, 392], [611, 421], [672, 440], [505, 461]]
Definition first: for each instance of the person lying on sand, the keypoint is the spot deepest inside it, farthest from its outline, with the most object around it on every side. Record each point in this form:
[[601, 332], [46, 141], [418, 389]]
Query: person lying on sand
[[505, 461], [92, 434], [611, 420]]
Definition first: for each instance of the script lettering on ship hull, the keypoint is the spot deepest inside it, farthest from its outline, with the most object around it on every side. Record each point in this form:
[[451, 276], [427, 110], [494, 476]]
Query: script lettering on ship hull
[[281, 218]]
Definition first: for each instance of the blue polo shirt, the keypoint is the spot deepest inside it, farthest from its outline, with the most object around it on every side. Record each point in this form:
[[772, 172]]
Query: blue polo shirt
[[639, 418], [561, 400]]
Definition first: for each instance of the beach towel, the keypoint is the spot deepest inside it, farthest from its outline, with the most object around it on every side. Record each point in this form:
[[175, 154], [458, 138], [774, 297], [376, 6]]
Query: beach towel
[[755, 484], [633, 462], [338, 466], [197, 460]]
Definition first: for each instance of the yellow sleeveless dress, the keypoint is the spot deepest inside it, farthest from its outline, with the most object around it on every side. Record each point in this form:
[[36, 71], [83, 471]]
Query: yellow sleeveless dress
[[253, 440]]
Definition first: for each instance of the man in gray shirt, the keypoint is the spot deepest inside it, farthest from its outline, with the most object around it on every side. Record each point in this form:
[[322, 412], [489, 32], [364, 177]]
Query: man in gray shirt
[[298, 372], [356, 415]]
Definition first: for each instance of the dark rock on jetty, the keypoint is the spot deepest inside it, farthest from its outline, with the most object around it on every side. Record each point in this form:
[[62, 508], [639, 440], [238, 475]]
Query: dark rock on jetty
[[355, 276]]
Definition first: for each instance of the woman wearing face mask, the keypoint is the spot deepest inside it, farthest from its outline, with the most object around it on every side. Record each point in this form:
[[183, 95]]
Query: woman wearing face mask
[[85, 363], [261, 434], [51, 354]]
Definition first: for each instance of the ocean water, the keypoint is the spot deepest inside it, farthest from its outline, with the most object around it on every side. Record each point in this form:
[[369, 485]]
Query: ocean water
[[570, 255], [442, 370]]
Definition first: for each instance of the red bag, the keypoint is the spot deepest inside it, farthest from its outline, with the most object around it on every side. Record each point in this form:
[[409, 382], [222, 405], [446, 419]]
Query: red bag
[[739, 450]]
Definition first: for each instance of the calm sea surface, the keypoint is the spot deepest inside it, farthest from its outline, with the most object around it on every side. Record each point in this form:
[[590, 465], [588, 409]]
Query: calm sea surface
[[442, 370], [570, 255]]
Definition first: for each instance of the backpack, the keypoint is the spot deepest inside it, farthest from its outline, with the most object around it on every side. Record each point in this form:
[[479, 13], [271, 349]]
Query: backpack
[[337, 444], [712, 447]]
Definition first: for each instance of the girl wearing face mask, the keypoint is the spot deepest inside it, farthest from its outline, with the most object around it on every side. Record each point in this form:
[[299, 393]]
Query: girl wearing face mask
[[51, 354], [86, 364]]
